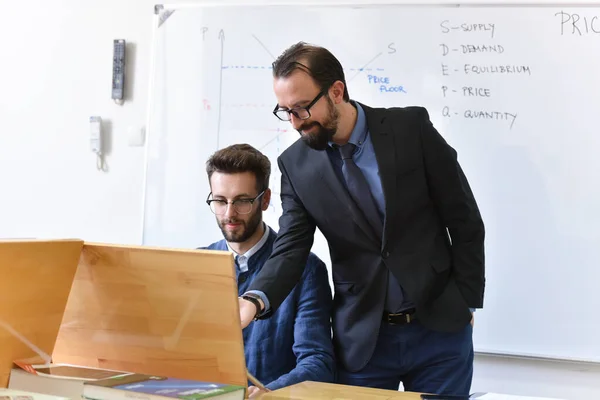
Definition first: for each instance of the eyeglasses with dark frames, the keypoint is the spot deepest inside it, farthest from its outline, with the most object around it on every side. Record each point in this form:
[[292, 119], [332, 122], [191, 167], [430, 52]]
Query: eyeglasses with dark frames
[[285, 114], [241, 206]]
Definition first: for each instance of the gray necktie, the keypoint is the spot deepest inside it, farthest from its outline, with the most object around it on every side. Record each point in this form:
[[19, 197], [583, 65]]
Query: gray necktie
[[361, 193], [359, 188]]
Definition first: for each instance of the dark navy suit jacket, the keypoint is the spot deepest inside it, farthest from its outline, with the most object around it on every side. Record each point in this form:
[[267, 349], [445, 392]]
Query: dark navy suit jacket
[[432, 241]]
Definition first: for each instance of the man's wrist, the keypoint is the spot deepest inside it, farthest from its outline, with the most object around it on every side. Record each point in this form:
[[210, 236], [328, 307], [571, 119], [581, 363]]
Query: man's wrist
[[256, 300], [264, 301]]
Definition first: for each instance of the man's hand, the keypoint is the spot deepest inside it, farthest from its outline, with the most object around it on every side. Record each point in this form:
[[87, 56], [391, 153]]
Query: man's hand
[[472, 318], [248, 311], [254, 392]]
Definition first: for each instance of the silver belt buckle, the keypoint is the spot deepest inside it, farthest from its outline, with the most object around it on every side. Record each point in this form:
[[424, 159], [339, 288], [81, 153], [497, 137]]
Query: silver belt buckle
[[406, 317]]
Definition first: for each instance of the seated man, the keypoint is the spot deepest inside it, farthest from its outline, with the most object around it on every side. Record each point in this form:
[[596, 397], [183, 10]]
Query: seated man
[[294, 345]]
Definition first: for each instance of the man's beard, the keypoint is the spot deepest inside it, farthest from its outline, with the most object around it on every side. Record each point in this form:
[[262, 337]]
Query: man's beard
[[320, 138], [248, 228]]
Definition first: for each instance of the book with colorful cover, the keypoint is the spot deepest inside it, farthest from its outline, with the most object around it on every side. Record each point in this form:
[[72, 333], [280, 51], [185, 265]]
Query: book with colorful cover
[[149, 387]]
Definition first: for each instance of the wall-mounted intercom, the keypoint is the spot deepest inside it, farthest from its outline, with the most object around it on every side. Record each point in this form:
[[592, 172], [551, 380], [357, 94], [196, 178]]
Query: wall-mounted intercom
[[96, 141], [118, 76]]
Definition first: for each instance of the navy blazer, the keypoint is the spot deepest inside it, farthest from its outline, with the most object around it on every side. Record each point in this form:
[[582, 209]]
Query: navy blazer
[[295, 344]]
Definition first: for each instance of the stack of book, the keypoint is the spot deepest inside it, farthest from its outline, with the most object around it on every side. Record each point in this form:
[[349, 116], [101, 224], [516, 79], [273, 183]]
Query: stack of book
[[76, 382]]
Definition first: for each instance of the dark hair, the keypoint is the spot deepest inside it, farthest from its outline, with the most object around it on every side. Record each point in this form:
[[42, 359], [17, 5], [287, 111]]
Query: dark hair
[[241, 158], [316, 61]]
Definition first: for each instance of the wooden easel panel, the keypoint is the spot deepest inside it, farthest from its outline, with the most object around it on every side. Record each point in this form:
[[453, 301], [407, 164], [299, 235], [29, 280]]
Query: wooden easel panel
[[155, 311], [35, 280]]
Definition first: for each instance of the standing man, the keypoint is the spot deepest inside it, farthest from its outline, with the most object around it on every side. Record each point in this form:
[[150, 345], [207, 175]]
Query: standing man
[[294, 345], [404, 231]]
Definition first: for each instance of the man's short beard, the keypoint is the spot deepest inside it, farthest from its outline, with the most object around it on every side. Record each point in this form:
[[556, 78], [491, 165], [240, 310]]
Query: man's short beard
[[320, 139], [250, 228]]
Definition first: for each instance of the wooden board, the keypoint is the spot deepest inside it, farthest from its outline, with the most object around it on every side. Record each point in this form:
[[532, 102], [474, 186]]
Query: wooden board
[[326, 391], [36, 278], [155, 311]]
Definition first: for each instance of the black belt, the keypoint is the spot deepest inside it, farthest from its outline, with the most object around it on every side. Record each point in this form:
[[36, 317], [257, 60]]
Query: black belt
[[401, 318]]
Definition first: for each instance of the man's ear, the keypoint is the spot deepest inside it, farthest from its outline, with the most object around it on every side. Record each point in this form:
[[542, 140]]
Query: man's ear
[[266, 200], [336, 92]]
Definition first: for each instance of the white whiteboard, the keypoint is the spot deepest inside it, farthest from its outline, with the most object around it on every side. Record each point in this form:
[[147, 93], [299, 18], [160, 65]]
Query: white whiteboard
[[527, 143]]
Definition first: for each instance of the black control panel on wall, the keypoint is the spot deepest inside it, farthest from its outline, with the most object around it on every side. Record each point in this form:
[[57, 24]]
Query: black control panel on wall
[[118, 78]]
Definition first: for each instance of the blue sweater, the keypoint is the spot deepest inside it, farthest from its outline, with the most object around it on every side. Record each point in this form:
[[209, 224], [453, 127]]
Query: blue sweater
[[294, 344]]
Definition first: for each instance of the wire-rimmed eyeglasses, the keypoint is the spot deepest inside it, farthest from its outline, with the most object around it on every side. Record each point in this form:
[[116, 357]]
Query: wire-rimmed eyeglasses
[[241, 206]]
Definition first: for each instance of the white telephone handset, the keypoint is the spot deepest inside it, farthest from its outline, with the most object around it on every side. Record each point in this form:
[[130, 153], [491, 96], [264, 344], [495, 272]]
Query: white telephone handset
[[96, 141]]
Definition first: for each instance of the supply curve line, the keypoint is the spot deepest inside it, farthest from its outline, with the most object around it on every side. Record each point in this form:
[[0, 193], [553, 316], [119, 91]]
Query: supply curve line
[[349, 80], [354, 76], [272, 139], [365, 66]]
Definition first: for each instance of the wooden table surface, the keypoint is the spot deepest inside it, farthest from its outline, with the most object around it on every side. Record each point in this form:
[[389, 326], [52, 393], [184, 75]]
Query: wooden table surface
[[328, 391]]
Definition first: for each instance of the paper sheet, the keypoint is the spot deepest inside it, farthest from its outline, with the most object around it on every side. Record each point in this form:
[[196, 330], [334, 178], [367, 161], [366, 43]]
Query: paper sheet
[[498, 396]]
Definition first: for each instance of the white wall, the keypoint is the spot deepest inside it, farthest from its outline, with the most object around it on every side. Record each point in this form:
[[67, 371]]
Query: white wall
[[565, 380], [56, 72]]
